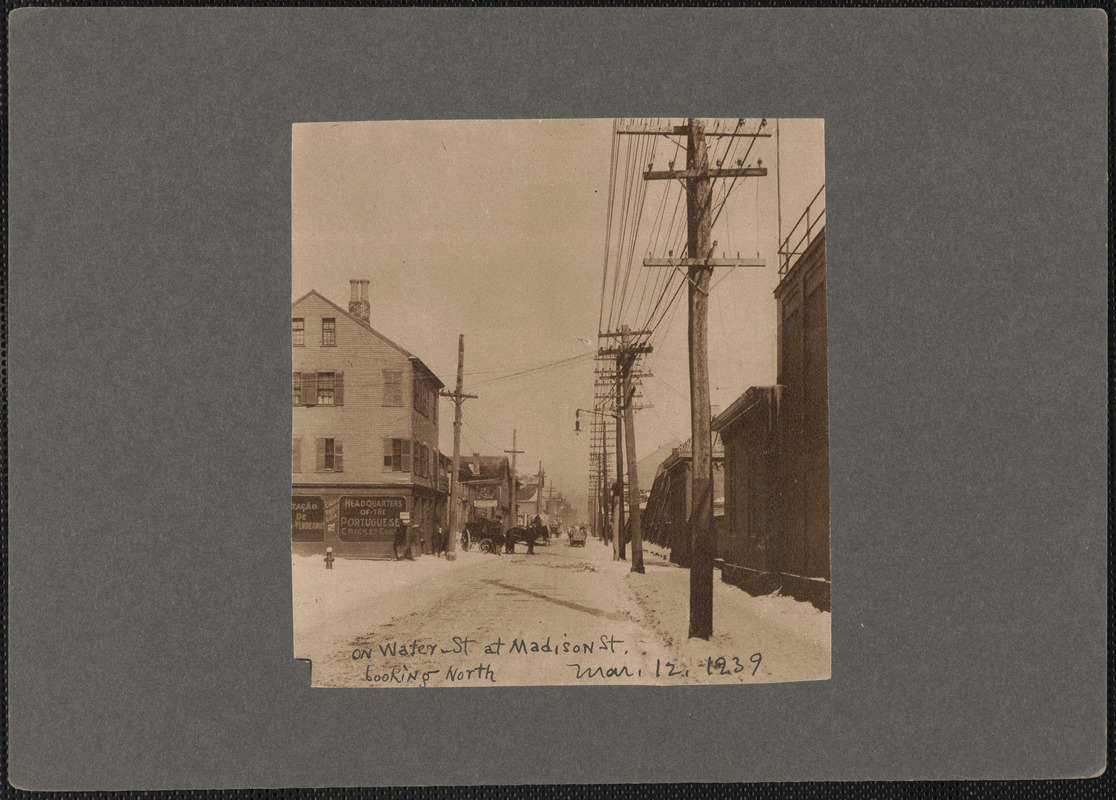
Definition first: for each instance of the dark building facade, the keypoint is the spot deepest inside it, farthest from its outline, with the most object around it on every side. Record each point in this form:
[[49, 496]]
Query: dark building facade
[[665, 521], [777, 450]]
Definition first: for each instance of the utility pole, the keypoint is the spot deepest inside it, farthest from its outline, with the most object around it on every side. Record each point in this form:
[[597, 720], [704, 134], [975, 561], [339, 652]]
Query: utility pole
[[626, 354], [514, 499], [698, 179], [602, 497], [618, 520], [458, 397], [538, 493], [604, 501], [633, 477]]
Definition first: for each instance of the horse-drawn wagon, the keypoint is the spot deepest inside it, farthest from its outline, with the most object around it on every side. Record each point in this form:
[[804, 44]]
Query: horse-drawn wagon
[[484, 534], [489, 537]]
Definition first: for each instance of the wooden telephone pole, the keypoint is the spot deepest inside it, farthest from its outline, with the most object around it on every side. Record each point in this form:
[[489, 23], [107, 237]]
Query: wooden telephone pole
[[698, 179], [458, 397], [626, 354], [514, 492], [538, 492]]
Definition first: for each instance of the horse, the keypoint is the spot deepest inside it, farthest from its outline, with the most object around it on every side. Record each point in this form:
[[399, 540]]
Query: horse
[[519, 534]]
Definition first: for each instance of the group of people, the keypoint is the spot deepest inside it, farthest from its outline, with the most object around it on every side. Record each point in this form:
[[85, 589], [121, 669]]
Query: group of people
[[439, 544]]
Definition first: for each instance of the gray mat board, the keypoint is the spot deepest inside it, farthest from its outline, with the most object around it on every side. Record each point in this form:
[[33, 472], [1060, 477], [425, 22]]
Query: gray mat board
[[149, 594]]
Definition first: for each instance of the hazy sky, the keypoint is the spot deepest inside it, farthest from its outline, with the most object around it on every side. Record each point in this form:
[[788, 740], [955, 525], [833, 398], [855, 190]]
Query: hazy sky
[[496, 229]]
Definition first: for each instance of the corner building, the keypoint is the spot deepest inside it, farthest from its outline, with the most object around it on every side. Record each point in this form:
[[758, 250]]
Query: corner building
[[364, 442]]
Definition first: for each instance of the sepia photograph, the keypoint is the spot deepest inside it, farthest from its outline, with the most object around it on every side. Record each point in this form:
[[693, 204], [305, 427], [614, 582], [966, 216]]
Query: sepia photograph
[[559, 402], [573, 401]]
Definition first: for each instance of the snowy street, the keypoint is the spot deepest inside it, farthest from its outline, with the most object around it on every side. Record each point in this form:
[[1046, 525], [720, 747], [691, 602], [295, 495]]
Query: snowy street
[[563, 616]]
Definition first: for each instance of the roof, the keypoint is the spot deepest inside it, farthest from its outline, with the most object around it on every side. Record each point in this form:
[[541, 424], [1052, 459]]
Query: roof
[[744, 403], [370, 329], [483, 468], [649, 464], [807, 258], [684, 453]]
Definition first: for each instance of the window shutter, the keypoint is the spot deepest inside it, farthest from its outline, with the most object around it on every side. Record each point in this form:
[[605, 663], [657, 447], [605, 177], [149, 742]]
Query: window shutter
[[337, 466], [310, 389], [319, 464], [296, 455], [393, 387], [406, 456], [387, 454], [339, 388]]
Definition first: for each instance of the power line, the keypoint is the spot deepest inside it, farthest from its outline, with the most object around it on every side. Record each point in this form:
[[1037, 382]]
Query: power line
[[551, 365]]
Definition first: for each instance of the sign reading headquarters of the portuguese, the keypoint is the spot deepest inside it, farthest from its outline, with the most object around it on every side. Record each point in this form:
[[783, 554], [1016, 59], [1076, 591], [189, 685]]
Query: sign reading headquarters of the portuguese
[[369, 519], [307, 519]]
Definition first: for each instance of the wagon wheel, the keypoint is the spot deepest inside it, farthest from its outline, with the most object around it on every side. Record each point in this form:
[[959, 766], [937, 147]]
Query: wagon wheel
[[486, 546]]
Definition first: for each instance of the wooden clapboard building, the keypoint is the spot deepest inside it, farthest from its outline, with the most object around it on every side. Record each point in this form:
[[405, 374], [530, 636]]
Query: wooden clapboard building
[[777, 449], [364, 442]]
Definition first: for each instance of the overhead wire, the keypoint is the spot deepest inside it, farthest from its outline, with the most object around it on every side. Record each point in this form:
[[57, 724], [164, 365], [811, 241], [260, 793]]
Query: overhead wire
[[550, 365]]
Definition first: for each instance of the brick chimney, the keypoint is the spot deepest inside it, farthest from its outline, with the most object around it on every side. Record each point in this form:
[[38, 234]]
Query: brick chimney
[[358, 300]]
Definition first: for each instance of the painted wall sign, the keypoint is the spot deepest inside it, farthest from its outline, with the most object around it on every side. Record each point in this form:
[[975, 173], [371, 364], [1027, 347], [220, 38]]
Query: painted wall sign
[[368, 518], [307, 518]]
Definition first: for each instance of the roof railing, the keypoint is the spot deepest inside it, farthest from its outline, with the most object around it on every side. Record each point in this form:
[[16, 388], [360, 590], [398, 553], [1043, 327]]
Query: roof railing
[[803, 232]]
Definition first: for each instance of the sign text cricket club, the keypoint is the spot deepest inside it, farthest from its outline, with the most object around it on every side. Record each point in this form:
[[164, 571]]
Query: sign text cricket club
[[369, 519]]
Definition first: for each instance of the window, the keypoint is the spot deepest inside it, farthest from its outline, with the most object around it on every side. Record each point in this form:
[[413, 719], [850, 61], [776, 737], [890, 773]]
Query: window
[[426, 398], [318, 388], [329, 455], [397, 455], [422, 460], [298, 331], [325, 388], [393, 387], [329, 332], [296, 455], [422, 396]]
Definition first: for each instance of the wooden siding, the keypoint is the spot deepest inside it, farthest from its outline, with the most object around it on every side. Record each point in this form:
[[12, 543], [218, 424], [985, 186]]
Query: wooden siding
[[361, 423]]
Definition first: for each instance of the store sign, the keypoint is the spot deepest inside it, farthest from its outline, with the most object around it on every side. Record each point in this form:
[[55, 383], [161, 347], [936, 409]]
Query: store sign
[[484, 504], [369, 519], [307, 518]]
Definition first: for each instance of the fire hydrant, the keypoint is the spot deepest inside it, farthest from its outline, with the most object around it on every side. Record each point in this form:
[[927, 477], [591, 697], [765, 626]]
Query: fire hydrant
[[329, 558]]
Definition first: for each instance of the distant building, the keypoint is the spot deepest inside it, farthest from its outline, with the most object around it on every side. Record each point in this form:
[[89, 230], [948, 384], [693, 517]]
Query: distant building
[[777, 450], [665, 519], [365, 433], [487, 486]]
